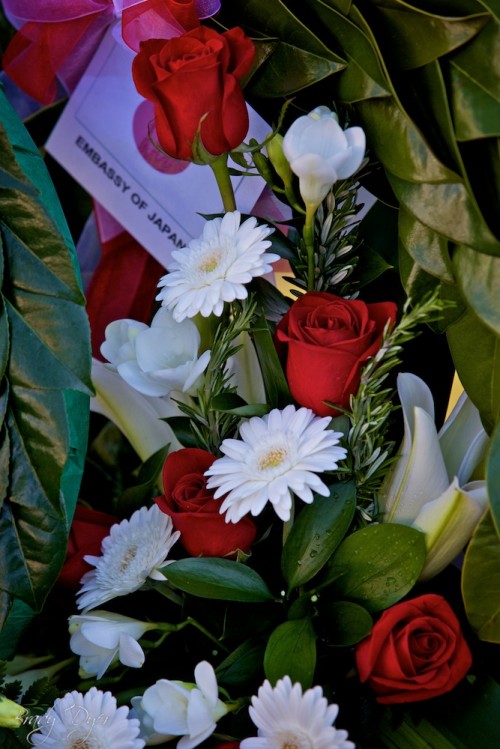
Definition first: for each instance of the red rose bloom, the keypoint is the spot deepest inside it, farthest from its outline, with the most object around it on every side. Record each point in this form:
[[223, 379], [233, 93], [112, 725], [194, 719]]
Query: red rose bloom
[[195, 512], [324, 341], [414, 652], [88, 529], [196, 76]]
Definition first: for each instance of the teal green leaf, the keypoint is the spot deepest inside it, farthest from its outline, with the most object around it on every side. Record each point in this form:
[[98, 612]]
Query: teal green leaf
[[291, 650], [290, 70], [493, 476], [447, 209], [278, 394], [377, 565], [346, 623], [476, 354], [316, 533], [427, 248], [220, 579], [45, 367], [481, 581], [476, 111], [416, 37]]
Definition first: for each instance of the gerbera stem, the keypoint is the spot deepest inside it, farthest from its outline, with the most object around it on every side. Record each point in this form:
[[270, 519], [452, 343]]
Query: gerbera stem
[[221, 171], [309, 244]]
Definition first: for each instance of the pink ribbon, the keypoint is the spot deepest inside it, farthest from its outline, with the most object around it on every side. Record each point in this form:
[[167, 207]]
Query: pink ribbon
[[57, 38]]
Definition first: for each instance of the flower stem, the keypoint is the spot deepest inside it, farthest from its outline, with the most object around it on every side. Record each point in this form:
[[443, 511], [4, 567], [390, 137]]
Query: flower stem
[[309, 244], [221, 171]]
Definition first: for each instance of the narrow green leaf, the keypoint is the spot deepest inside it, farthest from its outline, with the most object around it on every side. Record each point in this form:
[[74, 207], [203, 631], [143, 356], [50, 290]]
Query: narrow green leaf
[[493, 476], [316, 533], [219, 579], [377, 565], [481, 580], [347, 623], [291, 650], [232, 403], [278, 394]]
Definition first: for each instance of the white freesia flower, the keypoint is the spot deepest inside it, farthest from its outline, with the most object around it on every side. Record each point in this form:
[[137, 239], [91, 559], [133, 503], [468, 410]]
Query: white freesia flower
[[216, 267], [134, 550], [87, 721], [103, 638], [276, 455], [429, 485], [320, 152], [159, 358], [286, 717], [174, 708]]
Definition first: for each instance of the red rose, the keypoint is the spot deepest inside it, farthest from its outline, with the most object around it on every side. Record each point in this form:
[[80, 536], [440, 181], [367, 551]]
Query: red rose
[[415, 651], [325, 341], [88, 529], [195, 512], [196, 76]]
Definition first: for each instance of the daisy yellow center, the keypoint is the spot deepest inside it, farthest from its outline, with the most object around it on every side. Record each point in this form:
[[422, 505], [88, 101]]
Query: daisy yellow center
[[293, 740], [128, 558], [210, 262], [273, 459]]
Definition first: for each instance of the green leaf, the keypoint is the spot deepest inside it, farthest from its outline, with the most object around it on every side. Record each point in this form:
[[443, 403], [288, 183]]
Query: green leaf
[[347, 623], [291, 650], [220, 579], [481, 581], [278, 394], [377, 565], [476, 354], [146, 487], [427, 248], [44, 361], [479, 280], [493, 476], [183, 430], [231, 403], [242, 665], [316, 533]]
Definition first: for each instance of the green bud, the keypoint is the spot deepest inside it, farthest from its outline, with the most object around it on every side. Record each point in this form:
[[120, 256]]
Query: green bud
[[278, 159], [11, 714]]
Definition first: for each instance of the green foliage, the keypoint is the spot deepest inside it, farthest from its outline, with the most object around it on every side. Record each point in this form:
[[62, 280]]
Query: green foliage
[[218, 578], [291, 649], [481, 580], [44, 354], [347, 623]]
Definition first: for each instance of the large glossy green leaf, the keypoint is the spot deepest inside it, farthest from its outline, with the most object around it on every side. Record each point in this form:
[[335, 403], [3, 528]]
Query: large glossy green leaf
[[481, 581], [290, 70], [479, 279], [377, 565], [291, 650], [416, 37], [219, 579], [476, 353], [347, 623], [316, 533], [427, 248], [44, 356], [493, 476]]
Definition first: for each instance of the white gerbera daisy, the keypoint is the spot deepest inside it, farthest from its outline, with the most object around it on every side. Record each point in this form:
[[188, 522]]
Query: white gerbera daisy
[[287, 718], [87, 721], [133, 551], [215, 267], [278, 454]]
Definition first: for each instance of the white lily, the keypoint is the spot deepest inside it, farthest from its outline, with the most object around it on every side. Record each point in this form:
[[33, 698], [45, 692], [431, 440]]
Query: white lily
[[428, 486], [102, 638], [320, 153], [175, 708]]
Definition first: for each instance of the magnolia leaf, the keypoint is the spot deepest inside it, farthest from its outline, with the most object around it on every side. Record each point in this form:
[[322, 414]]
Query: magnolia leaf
[[316, 533], [377, 565], [479, 280], [493, 476], [291, 650], [44, 354], [427, 248], [476, 354], [216, 578], [292, 69], [481, 581], [347, 623]]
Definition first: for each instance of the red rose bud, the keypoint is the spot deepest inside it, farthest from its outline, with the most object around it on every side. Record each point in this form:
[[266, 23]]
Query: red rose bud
[[88, 529], [324, 341], [195, 512], [193, 81], [414, 652]]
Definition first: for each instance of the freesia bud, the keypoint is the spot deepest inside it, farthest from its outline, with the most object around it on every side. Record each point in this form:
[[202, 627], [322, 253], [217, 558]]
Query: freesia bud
[[11, 714], [320, 153]]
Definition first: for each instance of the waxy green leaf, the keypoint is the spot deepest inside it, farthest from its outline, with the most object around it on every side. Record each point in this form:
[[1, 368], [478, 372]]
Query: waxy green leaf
[[481, 580], [291, 650], [220, 579], [346, 623]]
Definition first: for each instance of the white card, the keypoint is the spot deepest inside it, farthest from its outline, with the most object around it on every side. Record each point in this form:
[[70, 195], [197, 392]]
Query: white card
[[101, 140]]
